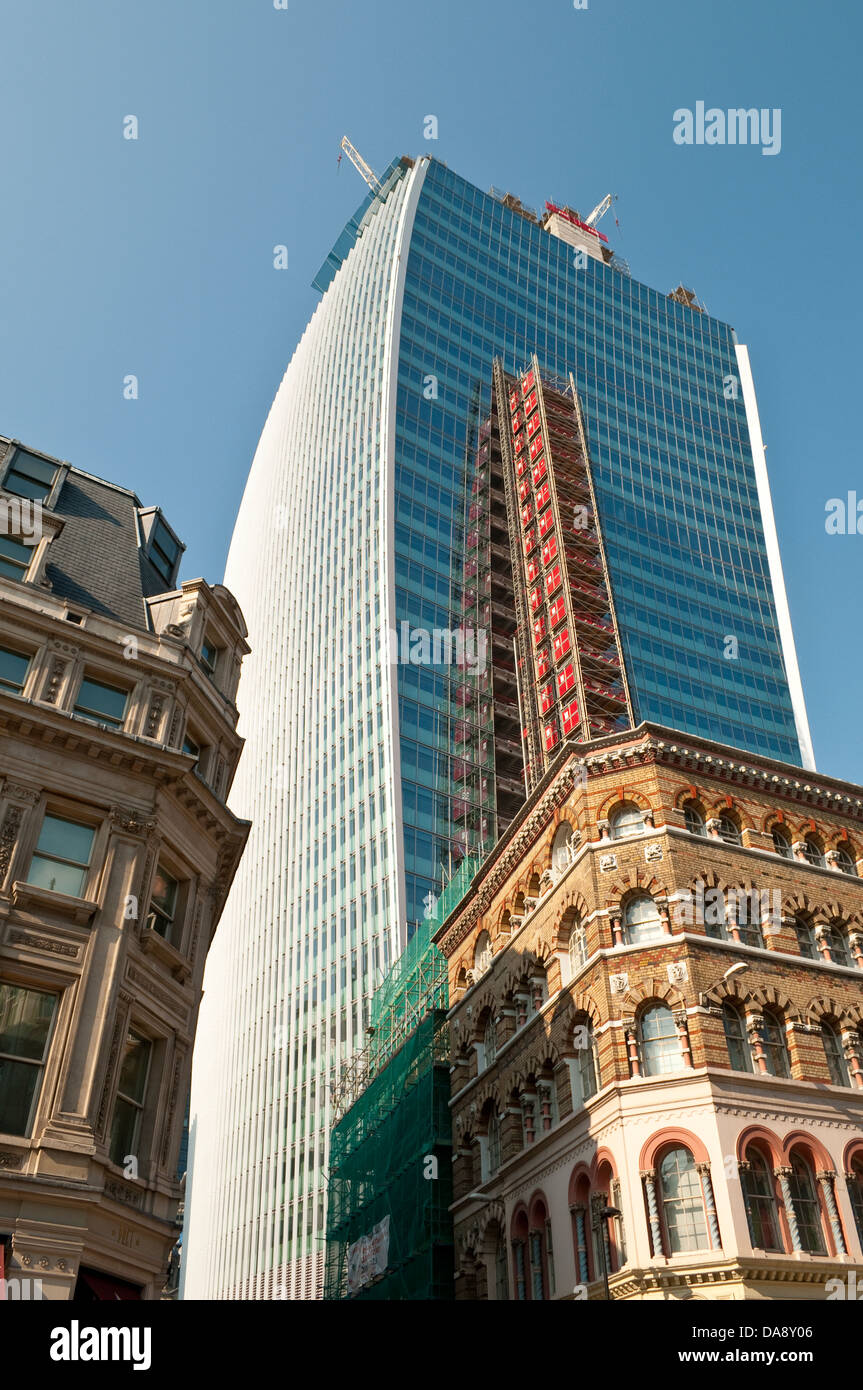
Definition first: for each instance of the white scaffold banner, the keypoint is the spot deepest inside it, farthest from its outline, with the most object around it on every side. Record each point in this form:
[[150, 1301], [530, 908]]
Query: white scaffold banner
[[367, 1257]]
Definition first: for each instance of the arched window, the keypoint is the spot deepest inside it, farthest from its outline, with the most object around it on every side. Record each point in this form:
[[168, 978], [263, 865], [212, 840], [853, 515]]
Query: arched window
[[658, 1043], [807, 1208], [626, 820], [493, 1141], [835, 1054], [577, 945], [844, 862], [729, 830], [584, 1069], [734, 1023], [855, 1192], [775, 1044], [807, 943], [694, 820], [682, 1203], [482, 953], [781, 843], [489, 1040], [641, 920], [748, 918], [762, 1204], [561, 846], [813, 851], [840, 950]]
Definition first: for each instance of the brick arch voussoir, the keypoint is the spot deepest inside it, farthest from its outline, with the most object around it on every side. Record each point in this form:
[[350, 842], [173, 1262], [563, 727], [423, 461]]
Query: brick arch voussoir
[[770, 996], [581, 1005], [797, 904], [824, 1006], [641, 880], [614, 798], [720, 807], [658, 989]]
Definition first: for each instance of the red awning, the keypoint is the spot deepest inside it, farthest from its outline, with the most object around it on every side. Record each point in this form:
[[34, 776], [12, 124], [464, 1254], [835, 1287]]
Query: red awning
[[106, 1289]]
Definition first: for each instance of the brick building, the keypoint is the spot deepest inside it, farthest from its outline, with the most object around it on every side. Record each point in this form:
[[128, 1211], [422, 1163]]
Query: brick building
[[118, 746], [656, 985]]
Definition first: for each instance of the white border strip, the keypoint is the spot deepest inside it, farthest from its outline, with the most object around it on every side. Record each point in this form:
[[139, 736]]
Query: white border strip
[[387, 523], [774, 559]]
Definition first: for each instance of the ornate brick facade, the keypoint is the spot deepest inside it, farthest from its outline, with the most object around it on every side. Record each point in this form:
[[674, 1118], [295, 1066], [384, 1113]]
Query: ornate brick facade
[[658, 1007]]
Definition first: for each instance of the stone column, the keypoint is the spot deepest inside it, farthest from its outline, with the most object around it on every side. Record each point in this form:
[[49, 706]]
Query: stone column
[[852, 1049], [712, 826], [632, 1049], [579, 1216], [827, 1179], [649, 1180], [710, 1203], [683, 1037], [783, 1174], [821, 929], [756, 1042], [617, 931], [855, 941]]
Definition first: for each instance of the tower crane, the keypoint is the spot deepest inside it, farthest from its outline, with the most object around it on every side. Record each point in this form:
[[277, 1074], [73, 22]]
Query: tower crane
[[600, 210], [360, 165]]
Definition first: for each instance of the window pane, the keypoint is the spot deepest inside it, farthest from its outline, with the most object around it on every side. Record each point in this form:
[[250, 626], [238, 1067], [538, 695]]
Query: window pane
[[98, 701], [13, 669], [123, 1127], [682, 1203], [18, 1082], [133, 1072], [29, 476], [15, 557], [165, 541], [66, 839], [25, 1021]]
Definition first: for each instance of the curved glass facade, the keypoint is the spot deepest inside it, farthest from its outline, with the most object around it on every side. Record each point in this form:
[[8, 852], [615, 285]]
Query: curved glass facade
[[349, 529]]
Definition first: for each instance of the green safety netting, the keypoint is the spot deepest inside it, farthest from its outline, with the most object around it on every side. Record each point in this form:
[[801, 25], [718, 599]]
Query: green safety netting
[[390, 1154]]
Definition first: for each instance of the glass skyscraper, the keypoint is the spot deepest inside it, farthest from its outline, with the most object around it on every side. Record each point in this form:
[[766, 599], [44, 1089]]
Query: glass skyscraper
[[351, 527]]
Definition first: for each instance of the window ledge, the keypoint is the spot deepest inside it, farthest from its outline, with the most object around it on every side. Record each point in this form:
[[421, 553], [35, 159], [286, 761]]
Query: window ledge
[[81, 910], [153, 944]]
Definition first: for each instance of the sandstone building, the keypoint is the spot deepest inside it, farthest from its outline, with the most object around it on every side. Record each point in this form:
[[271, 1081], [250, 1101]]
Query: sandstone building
[[656, 986], [118, 746]]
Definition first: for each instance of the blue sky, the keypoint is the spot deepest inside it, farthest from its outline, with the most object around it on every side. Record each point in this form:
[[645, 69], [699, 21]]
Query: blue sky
[[155, 256]]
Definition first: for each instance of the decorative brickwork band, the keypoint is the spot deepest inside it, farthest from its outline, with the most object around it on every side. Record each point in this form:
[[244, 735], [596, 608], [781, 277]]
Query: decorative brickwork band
[[827, 1179], [710, 1204], [783, 1174], [649, 1180]]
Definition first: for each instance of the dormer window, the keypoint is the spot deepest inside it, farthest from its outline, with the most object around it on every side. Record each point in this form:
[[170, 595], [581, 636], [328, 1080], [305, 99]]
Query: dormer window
[[15, 558], [28, 476], [164, 551]]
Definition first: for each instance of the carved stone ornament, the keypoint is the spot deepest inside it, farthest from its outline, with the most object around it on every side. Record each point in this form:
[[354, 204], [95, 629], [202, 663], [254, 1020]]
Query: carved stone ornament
[[618, 984], [653, 852], [131, 821], [677, 972], [607, 862]]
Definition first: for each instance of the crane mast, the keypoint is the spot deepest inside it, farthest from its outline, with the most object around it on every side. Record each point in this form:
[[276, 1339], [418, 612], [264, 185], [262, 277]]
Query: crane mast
[[360, 165]]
